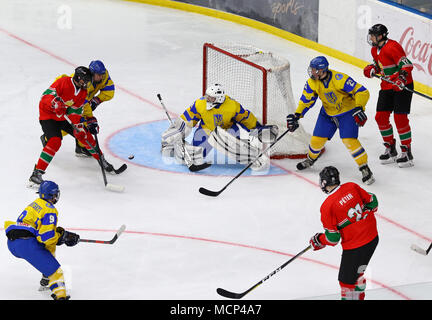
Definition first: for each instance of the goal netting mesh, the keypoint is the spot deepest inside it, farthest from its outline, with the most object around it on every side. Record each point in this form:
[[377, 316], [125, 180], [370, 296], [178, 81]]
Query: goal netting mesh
[[260, 81]]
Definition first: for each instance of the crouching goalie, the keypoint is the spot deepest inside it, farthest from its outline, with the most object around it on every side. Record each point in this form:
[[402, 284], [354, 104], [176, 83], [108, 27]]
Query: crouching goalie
[[218, 118]]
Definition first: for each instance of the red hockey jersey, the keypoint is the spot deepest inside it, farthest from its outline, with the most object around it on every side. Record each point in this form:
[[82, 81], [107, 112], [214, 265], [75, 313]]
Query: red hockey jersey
[[391, 58], [72, 96], [343, 212]]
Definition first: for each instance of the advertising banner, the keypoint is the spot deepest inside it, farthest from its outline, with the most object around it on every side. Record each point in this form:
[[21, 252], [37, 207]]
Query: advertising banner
[[296, 16]]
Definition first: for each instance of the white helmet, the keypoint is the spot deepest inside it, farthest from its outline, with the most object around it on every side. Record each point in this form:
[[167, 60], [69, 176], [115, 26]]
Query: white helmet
[[215, 95]]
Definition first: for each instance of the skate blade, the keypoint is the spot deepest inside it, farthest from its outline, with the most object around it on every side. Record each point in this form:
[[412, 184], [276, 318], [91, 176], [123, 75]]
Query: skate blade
[[32, 185], [389, 161], [407, 164], [42, 289], [369, 181]]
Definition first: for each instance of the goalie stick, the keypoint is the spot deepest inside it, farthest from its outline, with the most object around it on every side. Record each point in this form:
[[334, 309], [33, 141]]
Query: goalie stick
[[188, 159], [422, 251], [114, 239], [108, 186], [211, 193], [233, 295]]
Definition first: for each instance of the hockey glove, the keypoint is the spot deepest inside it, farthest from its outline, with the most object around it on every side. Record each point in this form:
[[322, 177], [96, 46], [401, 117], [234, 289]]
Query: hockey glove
[[94, 103], [266, 133], [359, 116], [316, 243], [79, 132], [68, 238], [399, 79], [370, 70], [59, 106], [92, 125], [292, 121]]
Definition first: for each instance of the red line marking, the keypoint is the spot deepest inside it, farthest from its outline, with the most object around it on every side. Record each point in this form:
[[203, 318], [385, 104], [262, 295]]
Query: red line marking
[[156, 106]]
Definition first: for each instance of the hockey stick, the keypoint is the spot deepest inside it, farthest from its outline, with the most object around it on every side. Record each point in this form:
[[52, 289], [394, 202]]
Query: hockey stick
[[188, 159], [422, 251], [403, 87], [233, 295], [211, 193], [122, 168], [108, 186], [114, 239]]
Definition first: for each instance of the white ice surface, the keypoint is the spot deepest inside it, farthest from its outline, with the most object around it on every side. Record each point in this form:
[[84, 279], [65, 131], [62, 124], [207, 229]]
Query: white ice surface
[[178, 243]]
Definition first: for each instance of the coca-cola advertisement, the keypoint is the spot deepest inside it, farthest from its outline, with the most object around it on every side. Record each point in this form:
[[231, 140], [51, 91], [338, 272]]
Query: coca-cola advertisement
[[412, 31]]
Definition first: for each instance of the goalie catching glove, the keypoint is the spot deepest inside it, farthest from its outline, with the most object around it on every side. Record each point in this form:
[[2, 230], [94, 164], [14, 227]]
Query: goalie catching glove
[[266, 133]]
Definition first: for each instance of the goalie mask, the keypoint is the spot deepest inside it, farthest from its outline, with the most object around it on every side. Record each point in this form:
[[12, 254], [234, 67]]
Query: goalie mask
[[215, 96]]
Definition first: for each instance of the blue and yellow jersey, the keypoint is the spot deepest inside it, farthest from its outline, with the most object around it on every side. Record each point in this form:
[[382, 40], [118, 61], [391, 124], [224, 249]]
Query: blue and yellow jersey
[[225, 116], [106, 90], [338, 95], [40, 218]]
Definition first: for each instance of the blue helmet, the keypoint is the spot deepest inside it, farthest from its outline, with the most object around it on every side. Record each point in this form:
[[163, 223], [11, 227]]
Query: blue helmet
[[318, 63], [49, 191], [97, 67]]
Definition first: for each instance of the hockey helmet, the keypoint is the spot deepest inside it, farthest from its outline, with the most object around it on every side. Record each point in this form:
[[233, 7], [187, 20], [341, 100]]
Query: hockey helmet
[[329, 176], [317, 64], [215, 96], [97, 67], [377, 30], [84, 74], [49, 191]]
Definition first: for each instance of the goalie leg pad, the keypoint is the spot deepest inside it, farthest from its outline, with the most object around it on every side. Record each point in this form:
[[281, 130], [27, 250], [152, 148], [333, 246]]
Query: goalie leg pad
[[177, 131], [239, 150], [195, 153]]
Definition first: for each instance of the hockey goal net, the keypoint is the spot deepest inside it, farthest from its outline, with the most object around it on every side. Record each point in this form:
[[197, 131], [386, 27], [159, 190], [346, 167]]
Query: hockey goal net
[[260, 81]]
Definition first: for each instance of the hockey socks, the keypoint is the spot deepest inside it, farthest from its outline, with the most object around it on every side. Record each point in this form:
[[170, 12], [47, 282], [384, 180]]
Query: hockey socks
[[382, 118], [403, 128], [57, 285], [357, 151], [48, 153]]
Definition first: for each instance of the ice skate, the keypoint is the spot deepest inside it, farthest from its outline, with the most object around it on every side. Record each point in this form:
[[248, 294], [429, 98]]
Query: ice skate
[[367, 176], [81, 151], [405, 160], [389, 155], [308, 162], [44, 283], [36, 178]]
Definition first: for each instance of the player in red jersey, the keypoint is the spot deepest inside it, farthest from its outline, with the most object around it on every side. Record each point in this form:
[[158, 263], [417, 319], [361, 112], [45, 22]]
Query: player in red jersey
[[348, 214], [66, 96], [390, 61]]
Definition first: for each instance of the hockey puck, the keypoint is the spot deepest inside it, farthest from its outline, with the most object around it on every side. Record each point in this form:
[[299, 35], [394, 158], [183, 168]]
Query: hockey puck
[[131, 156]]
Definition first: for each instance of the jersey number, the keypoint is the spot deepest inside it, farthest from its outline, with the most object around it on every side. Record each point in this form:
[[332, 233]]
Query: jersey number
[[356, 213]]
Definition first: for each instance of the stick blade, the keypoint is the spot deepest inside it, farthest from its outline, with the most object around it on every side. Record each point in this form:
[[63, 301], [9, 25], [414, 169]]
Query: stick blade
[[228, 294], [199, 167], [122, 168], [417, 249], [114, 187], [208, 192], [120, 231]]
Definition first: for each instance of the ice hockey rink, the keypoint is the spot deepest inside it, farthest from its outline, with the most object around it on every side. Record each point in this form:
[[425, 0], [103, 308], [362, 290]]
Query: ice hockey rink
[[180, 244]]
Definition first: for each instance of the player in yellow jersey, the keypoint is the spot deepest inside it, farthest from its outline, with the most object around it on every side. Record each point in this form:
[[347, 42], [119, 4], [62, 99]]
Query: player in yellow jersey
[[35, 235], [343, 105], [218, 117], [101, 83]]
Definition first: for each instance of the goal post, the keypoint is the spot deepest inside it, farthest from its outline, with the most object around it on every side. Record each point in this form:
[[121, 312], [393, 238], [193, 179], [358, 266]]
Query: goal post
[[260, 81]]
